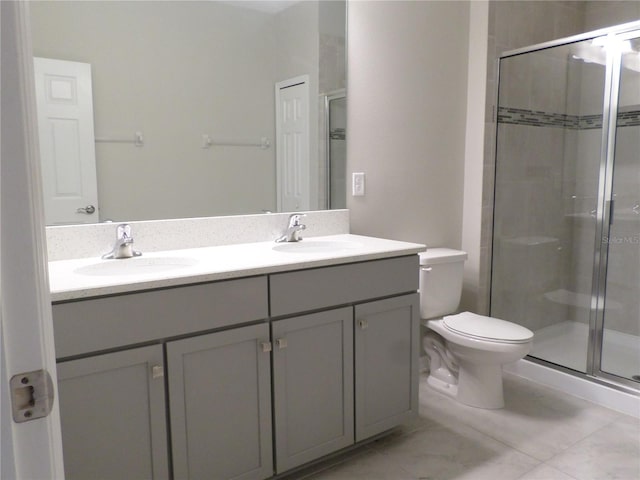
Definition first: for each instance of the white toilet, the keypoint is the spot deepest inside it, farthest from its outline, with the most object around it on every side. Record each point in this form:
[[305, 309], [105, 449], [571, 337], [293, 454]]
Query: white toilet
[[466, 351]]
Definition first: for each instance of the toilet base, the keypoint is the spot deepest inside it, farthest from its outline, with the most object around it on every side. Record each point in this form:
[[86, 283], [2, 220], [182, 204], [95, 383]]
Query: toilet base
[[476, 387], [480, 386], [470, 376], [448, 389]]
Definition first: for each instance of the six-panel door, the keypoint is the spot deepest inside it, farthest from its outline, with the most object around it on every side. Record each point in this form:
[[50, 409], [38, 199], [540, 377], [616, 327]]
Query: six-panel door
[[112, 410], [220, 405]]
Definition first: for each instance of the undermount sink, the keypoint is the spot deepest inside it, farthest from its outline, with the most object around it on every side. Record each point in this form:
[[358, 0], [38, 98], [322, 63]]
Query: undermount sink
[[135, 266], [310, 246]]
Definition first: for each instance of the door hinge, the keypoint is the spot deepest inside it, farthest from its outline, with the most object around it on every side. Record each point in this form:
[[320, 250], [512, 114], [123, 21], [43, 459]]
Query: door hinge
[[32, 395]]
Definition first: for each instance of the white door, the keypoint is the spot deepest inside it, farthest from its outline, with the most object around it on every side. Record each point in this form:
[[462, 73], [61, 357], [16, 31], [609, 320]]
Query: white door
[[31, 448], [67, 142], [292, 144]]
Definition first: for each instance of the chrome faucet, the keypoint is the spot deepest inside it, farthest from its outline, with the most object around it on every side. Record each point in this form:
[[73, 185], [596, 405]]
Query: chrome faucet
[[123, 248], [292, 233]]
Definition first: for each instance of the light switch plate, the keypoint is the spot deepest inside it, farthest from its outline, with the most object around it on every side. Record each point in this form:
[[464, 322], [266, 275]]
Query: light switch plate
[[357, 184]]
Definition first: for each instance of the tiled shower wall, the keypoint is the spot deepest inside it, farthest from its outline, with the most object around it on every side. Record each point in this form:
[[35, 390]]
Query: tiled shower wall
[[549, 134], [516, 24]]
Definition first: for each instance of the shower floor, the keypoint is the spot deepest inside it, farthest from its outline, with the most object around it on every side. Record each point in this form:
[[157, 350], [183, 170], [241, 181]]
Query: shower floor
[[566, 344]]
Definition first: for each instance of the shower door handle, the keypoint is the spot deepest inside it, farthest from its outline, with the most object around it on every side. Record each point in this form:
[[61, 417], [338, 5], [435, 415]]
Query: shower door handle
[[611, 205]]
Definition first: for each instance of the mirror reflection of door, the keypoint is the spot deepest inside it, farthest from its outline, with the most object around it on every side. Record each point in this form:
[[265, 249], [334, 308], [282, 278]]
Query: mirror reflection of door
[[292, 144], [67, 149]]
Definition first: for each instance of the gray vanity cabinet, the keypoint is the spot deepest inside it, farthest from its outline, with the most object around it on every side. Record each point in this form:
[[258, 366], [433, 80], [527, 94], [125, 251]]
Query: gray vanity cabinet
[[289, 366], [312, 386], [387, 341], [112, 410], [115, 414], [220, 405]]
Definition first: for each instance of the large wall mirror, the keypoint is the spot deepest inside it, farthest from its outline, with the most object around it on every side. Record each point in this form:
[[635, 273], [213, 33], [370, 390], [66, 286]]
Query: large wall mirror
[[199, 108]]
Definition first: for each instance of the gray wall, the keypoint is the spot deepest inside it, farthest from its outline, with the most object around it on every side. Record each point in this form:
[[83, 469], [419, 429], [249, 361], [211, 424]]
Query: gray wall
[[407, 84]]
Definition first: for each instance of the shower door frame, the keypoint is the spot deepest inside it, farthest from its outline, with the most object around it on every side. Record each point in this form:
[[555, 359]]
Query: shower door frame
[[328, 98], [604, 206]]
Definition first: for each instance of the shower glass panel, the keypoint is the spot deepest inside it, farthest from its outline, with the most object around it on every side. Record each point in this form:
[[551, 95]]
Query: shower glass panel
[[620, 355], [566, 232], [337, 150], [548, 161]]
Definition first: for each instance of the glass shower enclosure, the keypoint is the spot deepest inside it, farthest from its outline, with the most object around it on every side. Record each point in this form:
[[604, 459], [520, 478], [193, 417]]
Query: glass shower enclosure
[[566, 233], [336, 148]]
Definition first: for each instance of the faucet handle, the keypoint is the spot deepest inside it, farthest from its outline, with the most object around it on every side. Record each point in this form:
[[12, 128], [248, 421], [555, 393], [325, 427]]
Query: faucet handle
[[291, 234], [123, 247], [294, 219], [123, 231]]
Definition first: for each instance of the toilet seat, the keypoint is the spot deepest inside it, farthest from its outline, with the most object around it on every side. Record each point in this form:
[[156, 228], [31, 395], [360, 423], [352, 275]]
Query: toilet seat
[[484, 328]]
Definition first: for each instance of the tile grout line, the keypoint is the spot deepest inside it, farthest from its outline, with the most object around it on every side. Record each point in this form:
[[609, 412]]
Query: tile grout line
[[436, 425]]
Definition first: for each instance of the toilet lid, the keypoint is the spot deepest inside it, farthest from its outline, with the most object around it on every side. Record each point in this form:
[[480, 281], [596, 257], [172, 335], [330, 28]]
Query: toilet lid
[[434, 256], [487, 328]]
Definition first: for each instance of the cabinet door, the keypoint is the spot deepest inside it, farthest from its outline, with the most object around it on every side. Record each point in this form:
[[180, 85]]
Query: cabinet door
[[220, 405], [386, 364], [113, 415], [313, 386]]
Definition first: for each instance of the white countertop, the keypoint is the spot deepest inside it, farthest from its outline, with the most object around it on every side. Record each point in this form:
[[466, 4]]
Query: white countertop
[[196, 265]]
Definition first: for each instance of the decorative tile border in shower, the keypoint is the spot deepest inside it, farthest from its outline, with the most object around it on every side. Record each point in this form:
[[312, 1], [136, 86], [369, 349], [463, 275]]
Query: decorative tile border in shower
[[629, 118], [589, 122], [521, 116], [338, 134]]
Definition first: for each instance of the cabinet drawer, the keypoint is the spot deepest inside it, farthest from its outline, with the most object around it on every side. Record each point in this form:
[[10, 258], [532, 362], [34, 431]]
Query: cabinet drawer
[[304, 290], [110, 322]]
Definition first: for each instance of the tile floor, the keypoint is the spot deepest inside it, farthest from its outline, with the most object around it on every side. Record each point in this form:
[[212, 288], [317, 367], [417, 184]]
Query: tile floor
[[541, 434]]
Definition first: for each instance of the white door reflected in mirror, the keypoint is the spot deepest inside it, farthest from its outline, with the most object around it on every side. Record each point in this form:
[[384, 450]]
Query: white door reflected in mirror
[[67, 149]]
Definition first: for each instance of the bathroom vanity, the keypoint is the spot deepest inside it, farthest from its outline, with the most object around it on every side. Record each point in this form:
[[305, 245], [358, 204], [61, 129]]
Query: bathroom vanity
[[245, 369]]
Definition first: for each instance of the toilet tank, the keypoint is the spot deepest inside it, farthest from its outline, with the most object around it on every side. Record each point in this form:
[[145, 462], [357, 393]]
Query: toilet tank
[[441, 273]]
